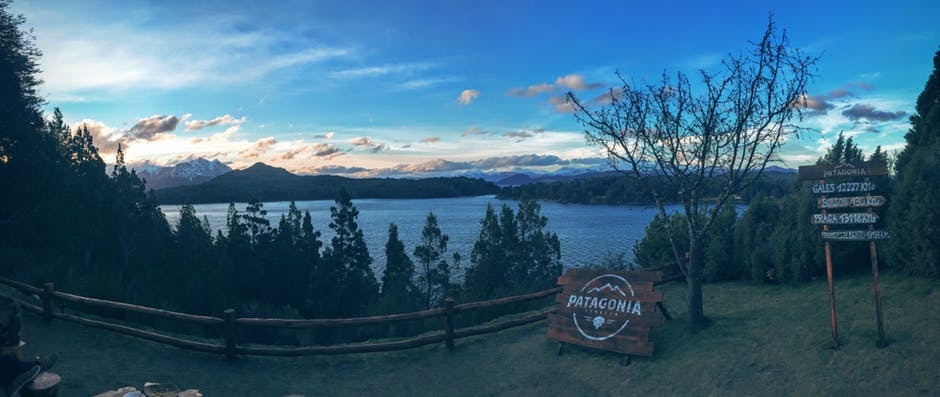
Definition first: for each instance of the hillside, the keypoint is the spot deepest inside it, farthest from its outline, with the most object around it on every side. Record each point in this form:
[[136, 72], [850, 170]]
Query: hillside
[[268, 183], [614, 189], [765, 340]]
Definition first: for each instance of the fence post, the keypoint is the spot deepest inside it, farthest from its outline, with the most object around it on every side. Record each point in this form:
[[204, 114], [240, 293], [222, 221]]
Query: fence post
[[229, 333], [48, 290], [449, 323]]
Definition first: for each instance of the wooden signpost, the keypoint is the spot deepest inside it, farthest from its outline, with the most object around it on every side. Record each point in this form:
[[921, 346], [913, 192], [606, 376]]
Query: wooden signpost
[[839, 171], [607, 310]]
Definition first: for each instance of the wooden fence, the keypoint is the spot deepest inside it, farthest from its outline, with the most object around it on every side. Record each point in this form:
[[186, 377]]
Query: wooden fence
[[229, 324]]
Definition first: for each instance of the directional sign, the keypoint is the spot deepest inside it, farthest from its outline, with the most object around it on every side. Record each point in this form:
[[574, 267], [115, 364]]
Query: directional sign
[[846, 218], [868, 168], [851, 202], [856, 235], [844, 187]]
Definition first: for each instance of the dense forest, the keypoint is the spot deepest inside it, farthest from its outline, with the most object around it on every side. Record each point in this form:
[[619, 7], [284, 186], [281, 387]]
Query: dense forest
[[267, 183], [624, 189]]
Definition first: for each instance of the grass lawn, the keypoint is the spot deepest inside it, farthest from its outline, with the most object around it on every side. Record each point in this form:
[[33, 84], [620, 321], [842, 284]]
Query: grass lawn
[[763, 340]]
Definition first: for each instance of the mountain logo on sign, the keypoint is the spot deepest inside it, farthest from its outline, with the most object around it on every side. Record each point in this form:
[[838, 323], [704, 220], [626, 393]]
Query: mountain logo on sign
[[607, 287]]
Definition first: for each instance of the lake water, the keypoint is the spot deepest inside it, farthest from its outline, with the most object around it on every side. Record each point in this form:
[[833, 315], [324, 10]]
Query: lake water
[[586, 232]]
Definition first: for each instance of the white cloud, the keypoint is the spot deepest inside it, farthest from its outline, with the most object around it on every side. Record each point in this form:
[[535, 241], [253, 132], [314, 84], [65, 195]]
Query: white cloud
[[376, 71], [467, 96], [82, 56], [227, 119], [574, 82]]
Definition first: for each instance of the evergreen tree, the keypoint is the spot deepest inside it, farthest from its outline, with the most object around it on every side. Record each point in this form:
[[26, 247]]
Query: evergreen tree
[[349, 255], [258, 226], [399, 293], [539, 260], [489, 271], [914, 213], [434, 275]]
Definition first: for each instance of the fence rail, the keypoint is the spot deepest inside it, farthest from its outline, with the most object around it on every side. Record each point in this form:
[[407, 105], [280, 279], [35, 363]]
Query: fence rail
[[229, 323]]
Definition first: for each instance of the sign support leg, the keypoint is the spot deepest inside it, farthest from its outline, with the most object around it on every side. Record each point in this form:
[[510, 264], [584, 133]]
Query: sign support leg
[[625, 360], [832, 297], [878, 314]]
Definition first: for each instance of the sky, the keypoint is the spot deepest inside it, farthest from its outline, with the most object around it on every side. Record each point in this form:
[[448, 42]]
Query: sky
[[412, 88]]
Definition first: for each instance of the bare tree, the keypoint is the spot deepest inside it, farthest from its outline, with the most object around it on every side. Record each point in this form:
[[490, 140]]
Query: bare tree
[[721, 131]]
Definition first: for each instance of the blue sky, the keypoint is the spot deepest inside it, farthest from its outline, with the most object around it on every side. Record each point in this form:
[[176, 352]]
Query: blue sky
[[423, 87]]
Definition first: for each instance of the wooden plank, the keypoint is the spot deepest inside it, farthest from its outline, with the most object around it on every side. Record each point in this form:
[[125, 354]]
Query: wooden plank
[[851, 202], [153, 336], [23, 287], [844, 187], [856, 235], [623, 346], [648, 297], [580, 276], [566, 323], [830, 171], [607, 310], [649, 319], [127, 307], [463, 307], [844, 218], [336, 322]]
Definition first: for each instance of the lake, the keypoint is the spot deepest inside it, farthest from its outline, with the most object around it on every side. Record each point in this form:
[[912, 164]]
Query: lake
[[587, 232]]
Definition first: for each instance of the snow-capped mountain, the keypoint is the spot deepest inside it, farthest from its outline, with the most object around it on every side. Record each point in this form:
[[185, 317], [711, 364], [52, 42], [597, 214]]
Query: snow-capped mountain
[[186, 173]]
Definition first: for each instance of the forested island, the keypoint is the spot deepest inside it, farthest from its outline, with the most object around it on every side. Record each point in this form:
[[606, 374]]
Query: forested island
[[622, 189], [267, 183]]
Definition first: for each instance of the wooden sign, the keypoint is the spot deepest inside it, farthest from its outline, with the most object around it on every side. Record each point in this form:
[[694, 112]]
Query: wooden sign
[[845, 218], [845, 187], [851, 202], [855, 235], [868, 168], [607, 310]]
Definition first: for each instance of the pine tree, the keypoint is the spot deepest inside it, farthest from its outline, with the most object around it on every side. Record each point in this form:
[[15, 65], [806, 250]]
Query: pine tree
[[914, 213], [489, 270], [434, 272], [399, 293], [349, 255], [539, 262]]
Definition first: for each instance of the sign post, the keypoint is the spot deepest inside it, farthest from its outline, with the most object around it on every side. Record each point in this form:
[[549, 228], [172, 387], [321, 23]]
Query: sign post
[[607, 310], [868, 201]]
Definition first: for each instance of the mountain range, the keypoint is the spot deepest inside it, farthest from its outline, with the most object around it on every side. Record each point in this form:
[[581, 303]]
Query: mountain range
[[191, 172], [267, 183]]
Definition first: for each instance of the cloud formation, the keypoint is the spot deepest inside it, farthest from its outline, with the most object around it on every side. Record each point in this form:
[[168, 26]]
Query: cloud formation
[[376, 71], [574, 82], [868, 112], [368, 144], [521, 135], [327, 136], [227, 119], [148, 128], [821, 104], [470, 131], [560, 104], [260, 147], [431, 139], [467, 96], [105, 138]]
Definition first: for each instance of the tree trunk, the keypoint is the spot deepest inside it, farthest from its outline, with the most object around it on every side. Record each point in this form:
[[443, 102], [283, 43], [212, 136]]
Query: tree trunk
[[694, 279]]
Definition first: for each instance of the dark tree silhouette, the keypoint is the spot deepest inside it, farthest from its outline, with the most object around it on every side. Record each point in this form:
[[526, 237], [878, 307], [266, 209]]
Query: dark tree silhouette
[[727, 127]]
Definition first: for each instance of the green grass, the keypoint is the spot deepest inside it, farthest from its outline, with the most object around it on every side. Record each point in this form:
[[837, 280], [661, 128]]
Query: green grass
[[763, 340]]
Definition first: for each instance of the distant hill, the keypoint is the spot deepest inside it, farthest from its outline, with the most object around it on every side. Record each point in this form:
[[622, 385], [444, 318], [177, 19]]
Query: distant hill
[[525, 179], [268, 183], [614, 188], [191, 172]]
